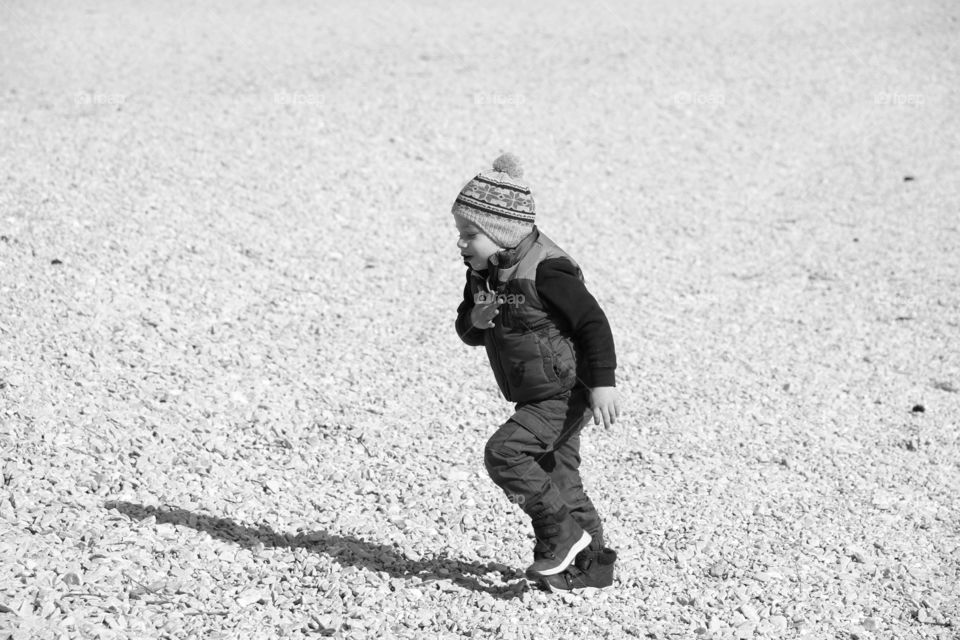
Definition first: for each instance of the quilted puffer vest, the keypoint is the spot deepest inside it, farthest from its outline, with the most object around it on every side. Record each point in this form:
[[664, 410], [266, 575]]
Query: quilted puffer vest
[[532, 356]]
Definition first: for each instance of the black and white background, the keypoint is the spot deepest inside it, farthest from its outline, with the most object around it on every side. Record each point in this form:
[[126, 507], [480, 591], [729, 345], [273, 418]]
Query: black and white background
[[232, 402]]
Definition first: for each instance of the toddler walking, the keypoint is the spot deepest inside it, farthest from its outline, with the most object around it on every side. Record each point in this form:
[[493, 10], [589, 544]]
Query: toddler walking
[[552, 353]]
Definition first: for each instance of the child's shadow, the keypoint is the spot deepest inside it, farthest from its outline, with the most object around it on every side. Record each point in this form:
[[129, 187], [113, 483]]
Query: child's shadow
[[347, 550]]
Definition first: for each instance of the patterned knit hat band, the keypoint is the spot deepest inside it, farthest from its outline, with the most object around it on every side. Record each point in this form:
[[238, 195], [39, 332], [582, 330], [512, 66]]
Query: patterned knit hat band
[[504, 232], [499, 202]]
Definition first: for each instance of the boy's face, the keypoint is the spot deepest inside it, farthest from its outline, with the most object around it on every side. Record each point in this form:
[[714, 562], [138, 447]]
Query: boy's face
[[475, 246]]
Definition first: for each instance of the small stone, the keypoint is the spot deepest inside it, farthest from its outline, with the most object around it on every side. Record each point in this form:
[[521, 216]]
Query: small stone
[[750, 613], [71, 579], [745, 629], [779, 623], [870, 624], [457, 475], [946, 386], [271, 486], [173, 626], [857, 554], [929, 615], [918, 408], [250, 596]]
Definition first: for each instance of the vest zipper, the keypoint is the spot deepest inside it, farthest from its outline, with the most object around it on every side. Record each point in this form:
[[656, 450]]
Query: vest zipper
[[490, 342]]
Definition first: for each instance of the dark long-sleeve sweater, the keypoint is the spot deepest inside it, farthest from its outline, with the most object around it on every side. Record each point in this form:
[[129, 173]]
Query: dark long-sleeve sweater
[[560, 287]]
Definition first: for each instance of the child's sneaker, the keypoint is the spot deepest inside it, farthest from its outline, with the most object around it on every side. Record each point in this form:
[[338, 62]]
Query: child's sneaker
[[559, 540], [590, 569]]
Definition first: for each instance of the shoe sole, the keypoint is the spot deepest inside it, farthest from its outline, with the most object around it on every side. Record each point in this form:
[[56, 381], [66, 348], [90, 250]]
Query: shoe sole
[[577, 591], [577, 547], [545, 585]]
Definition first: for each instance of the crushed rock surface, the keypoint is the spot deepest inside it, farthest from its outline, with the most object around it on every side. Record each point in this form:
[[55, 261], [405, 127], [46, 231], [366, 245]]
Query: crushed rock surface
[[232, 402]]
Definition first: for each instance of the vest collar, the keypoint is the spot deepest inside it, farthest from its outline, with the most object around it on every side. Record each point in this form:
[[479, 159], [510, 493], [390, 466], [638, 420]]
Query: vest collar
[[510, 257]]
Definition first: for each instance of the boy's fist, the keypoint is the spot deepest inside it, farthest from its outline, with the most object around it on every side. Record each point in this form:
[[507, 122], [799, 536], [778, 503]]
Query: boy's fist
[[483, 313]]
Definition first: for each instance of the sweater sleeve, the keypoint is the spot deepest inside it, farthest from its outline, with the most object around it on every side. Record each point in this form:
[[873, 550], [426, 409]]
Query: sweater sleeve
[[465, 329], [559, 285]]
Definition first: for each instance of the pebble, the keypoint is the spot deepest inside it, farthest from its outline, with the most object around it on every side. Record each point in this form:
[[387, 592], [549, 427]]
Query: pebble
[[779, 623], [250, 596], [72, 578], [857, 554]]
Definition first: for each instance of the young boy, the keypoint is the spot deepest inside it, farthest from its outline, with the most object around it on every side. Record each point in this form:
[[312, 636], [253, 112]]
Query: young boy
[[552, 353]]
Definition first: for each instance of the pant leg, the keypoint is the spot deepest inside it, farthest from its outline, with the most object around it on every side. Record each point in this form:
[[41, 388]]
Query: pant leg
[[513, 457], [566, 478], [521, 456]]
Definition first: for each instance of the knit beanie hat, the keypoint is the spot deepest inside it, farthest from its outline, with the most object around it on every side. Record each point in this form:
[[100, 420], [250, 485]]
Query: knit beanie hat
[[498, 202]]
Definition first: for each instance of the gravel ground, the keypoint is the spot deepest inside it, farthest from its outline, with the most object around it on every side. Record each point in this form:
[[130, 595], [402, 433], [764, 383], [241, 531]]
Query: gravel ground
[[232, 403]]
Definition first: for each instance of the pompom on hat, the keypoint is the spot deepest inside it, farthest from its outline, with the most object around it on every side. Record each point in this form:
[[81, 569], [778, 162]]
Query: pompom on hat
[[499, 202]]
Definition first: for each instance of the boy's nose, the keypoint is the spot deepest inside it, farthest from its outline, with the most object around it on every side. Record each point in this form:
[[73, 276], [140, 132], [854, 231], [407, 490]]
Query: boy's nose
[[461, 243]]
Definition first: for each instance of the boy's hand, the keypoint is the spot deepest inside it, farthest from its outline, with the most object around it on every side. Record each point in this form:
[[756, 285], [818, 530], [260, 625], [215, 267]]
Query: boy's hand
[[483, 314], [605, 402]]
